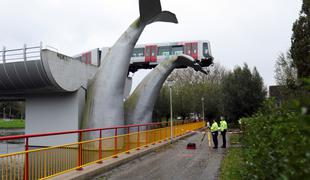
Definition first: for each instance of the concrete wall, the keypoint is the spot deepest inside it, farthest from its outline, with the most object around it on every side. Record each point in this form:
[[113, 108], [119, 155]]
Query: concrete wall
[[67, 73], [54, 112]]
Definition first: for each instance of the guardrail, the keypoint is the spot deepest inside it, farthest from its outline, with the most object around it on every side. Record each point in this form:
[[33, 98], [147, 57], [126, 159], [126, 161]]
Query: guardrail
[[21, 54], [52, 161]]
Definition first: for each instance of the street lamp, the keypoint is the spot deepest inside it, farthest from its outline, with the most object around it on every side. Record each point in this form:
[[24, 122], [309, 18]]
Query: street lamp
[[203, 108], [170, 83]]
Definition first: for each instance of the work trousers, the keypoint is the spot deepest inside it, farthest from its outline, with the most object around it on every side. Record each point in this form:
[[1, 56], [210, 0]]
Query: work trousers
[[223, 133], [214, 137]]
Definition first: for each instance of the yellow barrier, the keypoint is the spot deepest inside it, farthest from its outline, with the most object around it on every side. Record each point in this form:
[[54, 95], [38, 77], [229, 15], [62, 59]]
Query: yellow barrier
[[52, 161]]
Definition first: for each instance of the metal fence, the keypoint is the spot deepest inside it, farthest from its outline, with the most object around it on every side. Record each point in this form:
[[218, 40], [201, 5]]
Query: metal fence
[[22, 54], [52, 161]]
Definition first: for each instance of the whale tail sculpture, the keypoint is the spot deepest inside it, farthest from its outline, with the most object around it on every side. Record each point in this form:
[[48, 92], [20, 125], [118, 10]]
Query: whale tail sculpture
[[139, 106], [150, 11], [104, 104]]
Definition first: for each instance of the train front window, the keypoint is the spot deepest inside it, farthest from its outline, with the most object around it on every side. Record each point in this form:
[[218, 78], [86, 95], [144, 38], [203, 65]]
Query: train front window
[[205, 50], [177, 50], [138, 52], [164, 51]]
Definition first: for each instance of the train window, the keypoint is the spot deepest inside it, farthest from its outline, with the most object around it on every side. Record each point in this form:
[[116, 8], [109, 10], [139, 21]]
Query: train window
[[138, 52], [153, 52], [194, 48], [148, 52], [176, 50], [188, 49], [164, 51], [205, 50]]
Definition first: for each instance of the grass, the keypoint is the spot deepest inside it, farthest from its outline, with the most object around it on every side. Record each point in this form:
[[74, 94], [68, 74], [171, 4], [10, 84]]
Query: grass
[[231, 165], [232, 162], [234, 138], [11, 124]]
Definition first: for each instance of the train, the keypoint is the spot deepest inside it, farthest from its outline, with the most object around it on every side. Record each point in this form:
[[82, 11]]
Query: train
[[147, 56]]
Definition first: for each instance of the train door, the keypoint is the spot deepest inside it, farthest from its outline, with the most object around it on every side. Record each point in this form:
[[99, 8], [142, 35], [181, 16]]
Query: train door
[[150, 53], [191, 49], [147, 53], [154, 54], [195, 50]]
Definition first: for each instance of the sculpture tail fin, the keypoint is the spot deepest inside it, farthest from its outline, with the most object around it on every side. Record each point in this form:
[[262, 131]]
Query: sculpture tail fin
[[150, 11], [190, 62]]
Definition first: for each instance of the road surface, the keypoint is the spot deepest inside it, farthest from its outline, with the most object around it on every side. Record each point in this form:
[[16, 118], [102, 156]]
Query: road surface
[[174, 162]]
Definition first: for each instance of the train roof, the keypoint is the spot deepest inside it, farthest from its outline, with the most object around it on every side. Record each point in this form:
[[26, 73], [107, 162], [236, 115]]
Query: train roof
[[167, 43], [170, 43]]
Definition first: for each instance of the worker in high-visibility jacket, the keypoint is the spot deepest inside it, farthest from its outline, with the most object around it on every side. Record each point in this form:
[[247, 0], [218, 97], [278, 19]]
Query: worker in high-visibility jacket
[[214, 131], [223, 128]]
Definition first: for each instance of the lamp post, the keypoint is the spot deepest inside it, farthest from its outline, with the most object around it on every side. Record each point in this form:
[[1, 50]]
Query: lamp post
[[203, 108], [170, 83]]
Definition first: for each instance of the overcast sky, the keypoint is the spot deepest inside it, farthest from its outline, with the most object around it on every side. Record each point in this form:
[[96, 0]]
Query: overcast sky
[[251, 31]]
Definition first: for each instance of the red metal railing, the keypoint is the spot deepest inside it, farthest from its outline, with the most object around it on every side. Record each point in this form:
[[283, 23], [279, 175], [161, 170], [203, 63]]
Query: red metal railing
[[129, 128], [80, 132], [115, 128]]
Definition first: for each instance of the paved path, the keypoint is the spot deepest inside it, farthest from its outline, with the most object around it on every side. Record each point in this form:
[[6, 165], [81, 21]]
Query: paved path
[[174, 162]]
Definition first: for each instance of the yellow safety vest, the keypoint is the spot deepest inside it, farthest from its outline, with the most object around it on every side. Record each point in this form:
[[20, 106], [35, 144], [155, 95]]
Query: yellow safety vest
[[223, 125], [214, 127]]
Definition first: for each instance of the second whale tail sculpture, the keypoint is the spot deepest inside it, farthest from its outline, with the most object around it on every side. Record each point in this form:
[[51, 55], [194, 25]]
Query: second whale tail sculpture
[[104, 105], [139, 106]]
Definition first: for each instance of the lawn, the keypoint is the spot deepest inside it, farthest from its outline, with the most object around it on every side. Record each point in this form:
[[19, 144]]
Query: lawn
[[11, 124], [231, 165], [232, 162]]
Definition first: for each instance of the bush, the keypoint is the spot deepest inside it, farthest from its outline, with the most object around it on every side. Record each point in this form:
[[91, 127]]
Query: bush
[[276, 143]]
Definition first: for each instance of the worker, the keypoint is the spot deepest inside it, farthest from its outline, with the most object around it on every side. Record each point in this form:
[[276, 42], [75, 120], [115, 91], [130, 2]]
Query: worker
[[223, 128], [214, 131]]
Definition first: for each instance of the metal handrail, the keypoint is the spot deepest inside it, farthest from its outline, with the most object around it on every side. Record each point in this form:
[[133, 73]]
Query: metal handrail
[[20, 53], [74, 131], [33, 56], [8, 50], [14, 54], [48, 162]]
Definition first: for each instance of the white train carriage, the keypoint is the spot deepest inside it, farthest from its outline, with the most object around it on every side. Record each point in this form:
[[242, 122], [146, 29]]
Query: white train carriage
[[148, 56], [89, 57]]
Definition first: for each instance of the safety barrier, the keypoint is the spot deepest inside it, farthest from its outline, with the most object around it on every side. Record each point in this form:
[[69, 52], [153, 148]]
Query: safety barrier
[[48, 162], [27, 53], [22, 54]]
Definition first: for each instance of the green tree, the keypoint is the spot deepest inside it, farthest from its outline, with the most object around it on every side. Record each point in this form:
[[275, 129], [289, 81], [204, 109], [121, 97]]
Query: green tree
[[276, 142], [243, 93], [285, 71], [188, 89], [300, 49], [12, 109]]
